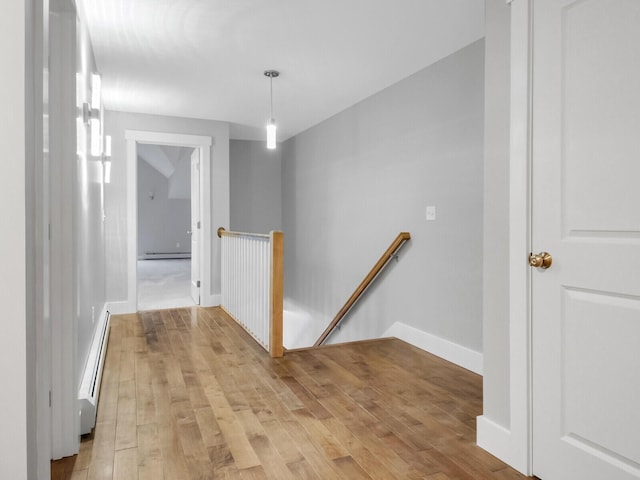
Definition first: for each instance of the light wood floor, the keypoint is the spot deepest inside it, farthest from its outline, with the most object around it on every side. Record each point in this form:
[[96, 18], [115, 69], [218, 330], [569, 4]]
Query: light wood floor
[[186, 394]]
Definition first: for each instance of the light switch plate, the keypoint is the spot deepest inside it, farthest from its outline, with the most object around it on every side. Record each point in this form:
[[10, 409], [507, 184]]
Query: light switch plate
[[431, 213]]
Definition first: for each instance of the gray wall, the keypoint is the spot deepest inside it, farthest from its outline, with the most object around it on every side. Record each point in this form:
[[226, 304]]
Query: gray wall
[[256, 189], [353, 182], [116, 124], [163, 222], [496, 214]]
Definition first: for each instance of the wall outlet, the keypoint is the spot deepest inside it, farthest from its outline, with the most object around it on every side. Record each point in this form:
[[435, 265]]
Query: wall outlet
[[178, 245], [431, 213]]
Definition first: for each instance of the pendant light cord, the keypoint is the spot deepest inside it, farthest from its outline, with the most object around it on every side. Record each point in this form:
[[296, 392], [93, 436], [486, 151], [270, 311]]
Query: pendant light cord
[[271, 74]]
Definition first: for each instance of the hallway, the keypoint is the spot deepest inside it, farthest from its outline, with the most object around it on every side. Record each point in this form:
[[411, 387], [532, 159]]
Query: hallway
[[187, 394]]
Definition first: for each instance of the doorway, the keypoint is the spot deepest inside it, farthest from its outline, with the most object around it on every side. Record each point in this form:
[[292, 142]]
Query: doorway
[[151, 155], [164, 227]]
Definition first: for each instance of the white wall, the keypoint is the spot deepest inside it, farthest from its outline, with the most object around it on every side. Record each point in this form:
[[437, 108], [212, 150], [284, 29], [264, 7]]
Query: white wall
[[89, 208], [38, 246], [256, 187], [77, 222], [496, 214], [116, 124], [353, 182], [163, 222], [13, 342]]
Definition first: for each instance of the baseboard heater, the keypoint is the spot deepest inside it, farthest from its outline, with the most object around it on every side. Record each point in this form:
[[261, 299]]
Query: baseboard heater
[[164, 256], [90, 386]]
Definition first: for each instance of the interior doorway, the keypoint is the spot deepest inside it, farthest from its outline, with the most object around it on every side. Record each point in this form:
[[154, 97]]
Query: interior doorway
[[164, 266], [159, 241]]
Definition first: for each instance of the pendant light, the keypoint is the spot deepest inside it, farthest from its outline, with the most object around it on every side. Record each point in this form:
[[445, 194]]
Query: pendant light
[[271, 125]]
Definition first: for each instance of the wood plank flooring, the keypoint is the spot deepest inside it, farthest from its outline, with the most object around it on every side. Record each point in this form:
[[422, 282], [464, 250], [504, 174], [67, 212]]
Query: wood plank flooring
[[187, 394]]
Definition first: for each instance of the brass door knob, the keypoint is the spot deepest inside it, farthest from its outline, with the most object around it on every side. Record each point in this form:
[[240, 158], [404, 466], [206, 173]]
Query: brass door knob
[[541, 260]]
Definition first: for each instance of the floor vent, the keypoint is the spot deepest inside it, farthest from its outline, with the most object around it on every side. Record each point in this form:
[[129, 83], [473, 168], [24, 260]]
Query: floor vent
[[90, 386]]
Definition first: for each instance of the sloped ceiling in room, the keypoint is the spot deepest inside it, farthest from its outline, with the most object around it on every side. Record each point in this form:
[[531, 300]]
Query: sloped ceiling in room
[[173, 163], [205, 58]]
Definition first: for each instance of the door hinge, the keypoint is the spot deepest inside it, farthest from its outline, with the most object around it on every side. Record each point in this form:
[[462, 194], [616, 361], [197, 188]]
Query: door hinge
[[198, 284], [49, 398], [49, 232], [198, 224]]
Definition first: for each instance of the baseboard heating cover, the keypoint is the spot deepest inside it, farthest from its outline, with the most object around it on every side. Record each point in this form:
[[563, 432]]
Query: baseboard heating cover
[[164, 256], [90, 386]]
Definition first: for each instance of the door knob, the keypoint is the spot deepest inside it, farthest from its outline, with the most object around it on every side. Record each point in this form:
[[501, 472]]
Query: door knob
[[541, 260]]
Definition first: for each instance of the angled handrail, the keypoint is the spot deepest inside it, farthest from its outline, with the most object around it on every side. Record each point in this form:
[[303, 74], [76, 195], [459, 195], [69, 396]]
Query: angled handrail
[[368, 280]]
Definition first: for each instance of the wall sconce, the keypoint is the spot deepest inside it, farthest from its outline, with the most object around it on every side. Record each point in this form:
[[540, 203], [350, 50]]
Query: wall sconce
[[96, 91], [106, 159], [91, 115]]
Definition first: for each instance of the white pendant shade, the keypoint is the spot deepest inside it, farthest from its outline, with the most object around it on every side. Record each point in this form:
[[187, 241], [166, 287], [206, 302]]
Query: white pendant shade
[[271, 134]]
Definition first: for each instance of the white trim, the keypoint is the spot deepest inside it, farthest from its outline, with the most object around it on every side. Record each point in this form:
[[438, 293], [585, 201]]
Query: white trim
[[452, 352], [518, 451], [494, 438], [204, 143], [63, 278], [118, 308]]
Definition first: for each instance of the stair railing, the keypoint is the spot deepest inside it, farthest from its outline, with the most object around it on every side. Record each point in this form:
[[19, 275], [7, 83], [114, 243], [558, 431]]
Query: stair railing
[[252, 271], [390, 253]]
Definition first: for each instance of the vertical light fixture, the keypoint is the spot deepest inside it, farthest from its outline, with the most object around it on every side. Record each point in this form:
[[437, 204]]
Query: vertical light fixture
[[107, 159], [92, 113], [96, 91], [271, 125]]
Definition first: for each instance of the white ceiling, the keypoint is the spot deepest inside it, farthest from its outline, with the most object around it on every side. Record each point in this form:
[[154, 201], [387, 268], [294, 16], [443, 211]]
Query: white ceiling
[[206, 58]]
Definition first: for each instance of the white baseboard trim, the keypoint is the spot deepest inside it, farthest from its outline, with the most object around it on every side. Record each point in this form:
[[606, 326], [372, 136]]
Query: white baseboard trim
[[452, 352], [164, 256], [211, 300], [495, 439], [119, 308]]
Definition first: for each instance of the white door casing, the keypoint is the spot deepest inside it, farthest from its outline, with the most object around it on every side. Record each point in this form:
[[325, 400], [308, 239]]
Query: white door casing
[[586, 213], [195, 226], [202, 144]]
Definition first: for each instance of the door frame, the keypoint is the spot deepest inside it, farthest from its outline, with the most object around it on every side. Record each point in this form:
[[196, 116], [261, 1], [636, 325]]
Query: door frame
[[520, 215], [204, 144], [196, 229], [513, 443]]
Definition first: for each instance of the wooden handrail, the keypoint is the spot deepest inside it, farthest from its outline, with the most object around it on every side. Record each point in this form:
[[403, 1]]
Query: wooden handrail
[[228, 233], [371, 276]]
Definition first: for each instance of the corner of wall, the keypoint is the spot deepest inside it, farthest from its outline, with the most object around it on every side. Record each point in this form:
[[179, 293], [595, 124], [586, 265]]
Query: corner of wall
[[452, 352]]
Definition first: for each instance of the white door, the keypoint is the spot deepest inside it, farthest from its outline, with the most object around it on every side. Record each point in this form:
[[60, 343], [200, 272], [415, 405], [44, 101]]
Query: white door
[[586, 214], [195, 225]]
